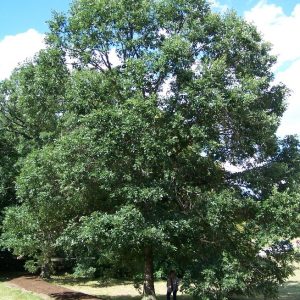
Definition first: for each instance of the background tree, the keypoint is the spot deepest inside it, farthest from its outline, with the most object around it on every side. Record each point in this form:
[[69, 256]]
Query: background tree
[[8, 159], [8, 171], [161, 94], [31, 108], [32, 101]]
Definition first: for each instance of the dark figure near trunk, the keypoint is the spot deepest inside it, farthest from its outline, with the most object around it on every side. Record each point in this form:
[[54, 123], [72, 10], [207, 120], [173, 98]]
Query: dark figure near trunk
[[172, 285]]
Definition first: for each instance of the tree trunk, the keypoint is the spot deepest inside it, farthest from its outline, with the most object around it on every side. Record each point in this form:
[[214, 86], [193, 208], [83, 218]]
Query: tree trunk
[[149, 291], [46, 270]]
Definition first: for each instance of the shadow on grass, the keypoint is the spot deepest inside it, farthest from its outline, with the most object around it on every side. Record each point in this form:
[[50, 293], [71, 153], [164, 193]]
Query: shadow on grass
[[82, 282], [290, 291], [68, 281], [73, 296], [11, 275], [128, 297]]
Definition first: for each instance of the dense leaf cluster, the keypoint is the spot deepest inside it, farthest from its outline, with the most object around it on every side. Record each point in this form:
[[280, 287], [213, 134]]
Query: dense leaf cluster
[[116, 140]]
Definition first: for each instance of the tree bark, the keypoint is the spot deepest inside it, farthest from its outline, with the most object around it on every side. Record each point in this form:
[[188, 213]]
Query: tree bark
[[45, 272], [149, 291], [46, 269]]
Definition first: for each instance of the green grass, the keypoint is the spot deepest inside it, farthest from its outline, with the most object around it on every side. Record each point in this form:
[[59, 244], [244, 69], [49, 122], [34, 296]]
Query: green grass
[[112, 290], [10, 293], [120, 290], [117, 290], [291, 291]]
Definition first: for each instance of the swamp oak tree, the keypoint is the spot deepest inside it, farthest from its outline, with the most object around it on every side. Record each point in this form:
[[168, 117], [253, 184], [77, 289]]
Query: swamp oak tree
[[158, 96]]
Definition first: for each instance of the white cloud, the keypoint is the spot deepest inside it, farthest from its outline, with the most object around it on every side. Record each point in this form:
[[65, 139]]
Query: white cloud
[[17, 48], [278, 28], [281, 30], [165, 89], [291, 120], [113, 58]]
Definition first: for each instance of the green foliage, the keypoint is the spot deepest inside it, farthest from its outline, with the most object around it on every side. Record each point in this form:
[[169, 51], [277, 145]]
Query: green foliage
[[82, 271], [281, 170], [8, 170], [31, 100], [282, 208], [31, 266], [122, 156]]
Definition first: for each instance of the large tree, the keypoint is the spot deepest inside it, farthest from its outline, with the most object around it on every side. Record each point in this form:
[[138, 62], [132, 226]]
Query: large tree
[[31, 106], [161, 94]]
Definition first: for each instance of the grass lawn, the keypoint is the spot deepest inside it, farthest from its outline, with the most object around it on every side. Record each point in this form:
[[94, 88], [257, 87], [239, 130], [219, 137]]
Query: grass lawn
[[125, 291], [10, 293], [116, 290], [290, 291]]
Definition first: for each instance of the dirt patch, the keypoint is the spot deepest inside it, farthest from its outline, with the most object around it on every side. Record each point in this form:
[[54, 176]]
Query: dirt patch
[[39, 286]]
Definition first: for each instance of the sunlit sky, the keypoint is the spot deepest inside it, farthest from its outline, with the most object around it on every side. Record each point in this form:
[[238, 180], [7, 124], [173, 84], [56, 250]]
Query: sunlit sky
[[23, 23]]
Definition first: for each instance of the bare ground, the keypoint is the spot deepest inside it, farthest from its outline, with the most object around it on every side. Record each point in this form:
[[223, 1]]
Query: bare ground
[[39, 286]]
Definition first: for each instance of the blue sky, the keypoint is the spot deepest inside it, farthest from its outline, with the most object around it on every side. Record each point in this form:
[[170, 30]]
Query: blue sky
[[243, 5], [20, 15], [23, 23]]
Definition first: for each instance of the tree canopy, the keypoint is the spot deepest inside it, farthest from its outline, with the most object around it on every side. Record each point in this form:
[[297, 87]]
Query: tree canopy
[[122, 129]]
